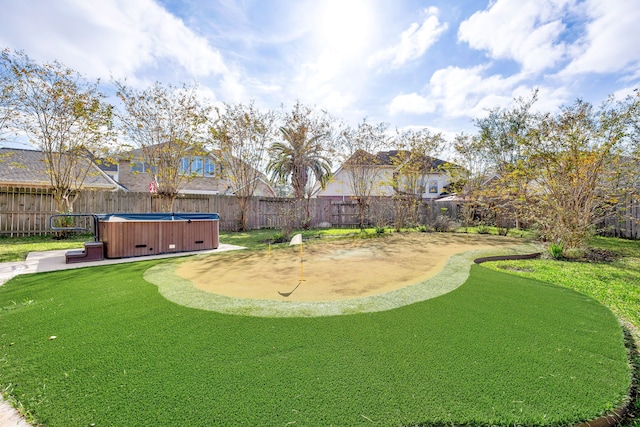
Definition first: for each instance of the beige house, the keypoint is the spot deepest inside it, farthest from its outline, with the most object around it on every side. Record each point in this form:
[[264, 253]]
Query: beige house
[[203, 172], [382, 169]]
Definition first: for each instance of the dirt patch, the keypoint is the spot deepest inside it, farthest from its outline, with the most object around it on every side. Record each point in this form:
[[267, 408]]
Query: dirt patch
[[333, 270]]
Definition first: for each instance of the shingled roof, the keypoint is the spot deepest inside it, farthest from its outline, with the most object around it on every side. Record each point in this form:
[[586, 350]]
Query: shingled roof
[[391, 158], [27, 168]]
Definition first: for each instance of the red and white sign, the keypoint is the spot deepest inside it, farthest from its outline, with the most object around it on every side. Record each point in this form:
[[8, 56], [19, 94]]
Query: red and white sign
[[153, 188]]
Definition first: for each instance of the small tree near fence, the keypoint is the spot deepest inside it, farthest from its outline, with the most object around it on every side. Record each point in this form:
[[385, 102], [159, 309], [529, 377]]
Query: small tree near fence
[[241, 135], [62, 114], [165, 125], [362, 166]]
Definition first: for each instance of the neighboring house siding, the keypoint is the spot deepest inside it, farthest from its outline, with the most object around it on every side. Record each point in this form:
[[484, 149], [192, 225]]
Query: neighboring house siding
[[135, 182], [138, 181], [340, 185]]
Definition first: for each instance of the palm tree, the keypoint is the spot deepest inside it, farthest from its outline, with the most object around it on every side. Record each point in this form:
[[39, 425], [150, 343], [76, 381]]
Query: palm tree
[[298, 158]]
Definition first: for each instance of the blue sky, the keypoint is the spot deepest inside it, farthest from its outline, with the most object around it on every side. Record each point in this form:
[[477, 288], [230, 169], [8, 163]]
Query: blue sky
[[435, 64]]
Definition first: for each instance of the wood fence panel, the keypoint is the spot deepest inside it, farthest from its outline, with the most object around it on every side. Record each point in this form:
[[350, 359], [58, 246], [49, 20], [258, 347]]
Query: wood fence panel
[[26, 211], [624, 221]]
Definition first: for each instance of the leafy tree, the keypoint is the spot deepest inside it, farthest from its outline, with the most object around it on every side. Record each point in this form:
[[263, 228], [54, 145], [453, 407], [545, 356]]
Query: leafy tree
[[502, 133], [361, 165], [304, 152], [469, 175], [302, 157], [413, 162], [63, 115], [167, 124], [241, 135], [575, 159]]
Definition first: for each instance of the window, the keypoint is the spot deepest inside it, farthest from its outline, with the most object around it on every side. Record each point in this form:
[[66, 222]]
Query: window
[[137, 167], [433, 187], [142, 167], [209, 167], [196, 165], [185, 166]]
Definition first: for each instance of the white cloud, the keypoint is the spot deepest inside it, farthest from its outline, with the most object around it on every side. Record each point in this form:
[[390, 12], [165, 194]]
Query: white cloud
[[111, 37], [466, 92], [610, 43], [414, 42], [527, 31], [410, 103]]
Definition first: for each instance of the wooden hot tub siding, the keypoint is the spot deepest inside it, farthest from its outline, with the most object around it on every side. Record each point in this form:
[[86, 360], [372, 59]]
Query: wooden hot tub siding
[[132, 238]]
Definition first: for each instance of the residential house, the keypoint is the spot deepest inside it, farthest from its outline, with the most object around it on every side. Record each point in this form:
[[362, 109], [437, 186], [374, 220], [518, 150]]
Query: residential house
[[204, 170], [428, 176], [28, 169]]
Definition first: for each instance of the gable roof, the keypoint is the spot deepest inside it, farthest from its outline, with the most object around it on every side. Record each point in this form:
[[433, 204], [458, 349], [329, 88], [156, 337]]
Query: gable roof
[[20, 167], [390, 158]]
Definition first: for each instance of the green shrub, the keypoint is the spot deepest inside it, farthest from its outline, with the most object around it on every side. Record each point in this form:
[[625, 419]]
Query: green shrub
[[555, 250], [281, 237], [483, 229], [503, 231]]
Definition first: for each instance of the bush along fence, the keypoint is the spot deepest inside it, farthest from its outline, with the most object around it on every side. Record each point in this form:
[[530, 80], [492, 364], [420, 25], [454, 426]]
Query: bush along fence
[[26, 211]]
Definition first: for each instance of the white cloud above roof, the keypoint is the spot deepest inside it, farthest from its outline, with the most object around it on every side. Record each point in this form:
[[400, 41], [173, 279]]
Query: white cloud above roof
[[414, 41], [526, 31], [610, 43], [114, 37], [398, 62]]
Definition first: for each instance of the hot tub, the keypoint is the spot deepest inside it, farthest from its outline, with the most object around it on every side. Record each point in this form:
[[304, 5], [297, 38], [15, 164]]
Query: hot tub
[[138, 234]]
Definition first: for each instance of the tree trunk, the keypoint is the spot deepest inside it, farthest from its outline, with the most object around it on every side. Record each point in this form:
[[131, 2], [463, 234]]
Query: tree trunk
[[362, 208], [243, 220]]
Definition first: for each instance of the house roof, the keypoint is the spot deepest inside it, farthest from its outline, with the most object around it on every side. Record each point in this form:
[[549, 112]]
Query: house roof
[[392, 158], [20, 167]]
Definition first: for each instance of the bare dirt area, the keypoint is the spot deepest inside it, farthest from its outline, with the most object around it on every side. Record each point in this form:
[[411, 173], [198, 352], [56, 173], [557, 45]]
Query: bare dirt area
[[335, 269]]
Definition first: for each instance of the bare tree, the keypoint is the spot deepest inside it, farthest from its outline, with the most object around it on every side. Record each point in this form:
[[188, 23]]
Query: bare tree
[[8, 108], [241, 135], [62, 114], [415, 159], [469, 174], [167, 125], [413, 164], [362, 166]]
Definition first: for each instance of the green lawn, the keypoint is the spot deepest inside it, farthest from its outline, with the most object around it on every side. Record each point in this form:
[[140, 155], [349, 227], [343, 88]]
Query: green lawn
[[17, 248], [615, 284], [499, 350]]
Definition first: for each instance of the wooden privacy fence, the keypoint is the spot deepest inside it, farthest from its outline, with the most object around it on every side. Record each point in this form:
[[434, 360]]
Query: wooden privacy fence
[[625, 221], [25, 211]]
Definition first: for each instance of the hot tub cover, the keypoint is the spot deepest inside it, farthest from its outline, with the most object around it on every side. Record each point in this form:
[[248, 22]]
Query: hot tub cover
[[157, 216]]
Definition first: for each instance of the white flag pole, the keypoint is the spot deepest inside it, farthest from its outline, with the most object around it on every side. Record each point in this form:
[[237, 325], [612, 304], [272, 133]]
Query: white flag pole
[[297, 240]]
